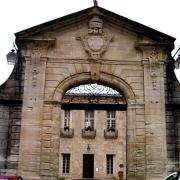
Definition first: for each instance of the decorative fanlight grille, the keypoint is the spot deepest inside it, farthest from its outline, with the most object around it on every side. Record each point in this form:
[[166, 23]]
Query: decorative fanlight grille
[[92, 90]]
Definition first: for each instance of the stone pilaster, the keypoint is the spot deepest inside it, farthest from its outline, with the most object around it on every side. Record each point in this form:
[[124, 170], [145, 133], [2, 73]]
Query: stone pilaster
[[33, 100], [131, 141], [154, 113], [50, 142], [140, 142]]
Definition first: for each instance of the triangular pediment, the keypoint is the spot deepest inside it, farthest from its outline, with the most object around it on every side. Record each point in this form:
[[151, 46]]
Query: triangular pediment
[[104, 14]]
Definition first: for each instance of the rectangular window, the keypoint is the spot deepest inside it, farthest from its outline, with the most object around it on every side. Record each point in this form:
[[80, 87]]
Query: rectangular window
[[66, 163], [111, 119], [109, 164], [89, 119], [66, 118]]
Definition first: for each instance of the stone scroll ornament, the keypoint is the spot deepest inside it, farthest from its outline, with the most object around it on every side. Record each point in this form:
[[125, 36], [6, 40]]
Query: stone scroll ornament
[[153, 59], [35, 65], [96, 41]]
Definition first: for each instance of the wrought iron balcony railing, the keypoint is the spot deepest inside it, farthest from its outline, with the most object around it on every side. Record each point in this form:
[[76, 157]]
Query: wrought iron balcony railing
[[67, 133], [110, 134], [88, 133]]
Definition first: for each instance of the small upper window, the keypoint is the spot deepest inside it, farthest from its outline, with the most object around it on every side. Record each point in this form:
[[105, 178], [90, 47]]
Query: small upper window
[[111, 119], [89, 119], [67, 118]]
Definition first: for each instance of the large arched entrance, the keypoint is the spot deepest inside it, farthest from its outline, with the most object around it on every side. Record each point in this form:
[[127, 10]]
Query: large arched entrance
[[93, 132], [82, 143]]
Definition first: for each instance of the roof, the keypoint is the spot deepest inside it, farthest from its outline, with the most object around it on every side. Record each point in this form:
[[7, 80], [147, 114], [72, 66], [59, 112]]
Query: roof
[[104, 14]]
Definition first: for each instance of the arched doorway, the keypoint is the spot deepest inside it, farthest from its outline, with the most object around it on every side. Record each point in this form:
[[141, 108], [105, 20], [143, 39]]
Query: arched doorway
[[107, 80], [93, 132]]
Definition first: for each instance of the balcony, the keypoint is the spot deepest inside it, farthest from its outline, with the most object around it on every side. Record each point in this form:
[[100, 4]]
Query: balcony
[[66, 132], [86, 133], [110, 134]]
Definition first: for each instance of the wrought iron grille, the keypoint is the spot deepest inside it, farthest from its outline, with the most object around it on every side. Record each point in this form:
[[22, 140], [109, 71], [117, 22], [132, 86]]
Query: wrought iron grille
[[92, 90]]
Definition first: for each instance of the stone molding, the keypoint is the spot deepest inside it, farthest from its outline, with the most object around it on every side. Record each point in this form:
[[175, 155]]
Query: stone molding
[[153, 53], [111, 80], [35, 48]]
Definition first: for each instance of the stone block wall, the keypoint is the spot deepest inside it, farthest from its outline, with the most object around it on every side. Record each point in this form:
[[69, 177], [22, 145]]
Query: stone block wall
[[4, 118], [10, 120], [99, 146], [172, 118], [171, 134]]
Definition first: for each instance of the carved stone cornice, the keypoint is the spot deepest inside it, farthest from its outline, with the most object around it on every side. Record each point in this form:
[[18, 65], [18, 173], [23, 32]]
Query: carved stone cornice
[[36, 45], [154, 53], [46, 41], [33, 49], [150, 44], [154, 56]]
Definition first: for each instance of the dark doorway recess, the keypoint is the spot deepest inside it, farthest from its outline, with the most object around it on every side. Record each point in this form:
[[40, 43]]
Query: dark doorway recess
[[88, 165]]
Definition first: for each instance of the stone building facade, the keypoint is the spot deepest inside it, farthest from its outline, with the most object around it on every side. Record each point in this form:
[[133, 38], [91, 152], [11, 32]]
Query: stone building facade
[[92, 46]]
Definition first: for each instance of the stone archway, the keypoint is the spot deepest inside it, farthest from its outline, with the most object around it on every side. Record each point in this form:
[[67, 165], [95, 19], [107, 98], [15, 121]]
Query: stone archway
[[78, 79], [108, 79]]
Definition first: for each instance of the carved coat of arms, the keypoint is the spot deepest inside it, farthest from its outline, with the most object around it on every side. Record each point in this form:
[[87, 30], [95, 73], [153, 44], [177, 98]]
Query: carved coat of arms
[[95, 42]]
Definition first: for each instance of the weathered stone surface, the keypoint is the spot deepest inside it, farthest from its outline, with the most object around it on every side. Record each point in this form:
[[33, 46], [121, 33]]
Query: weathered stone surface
[[54, 60]]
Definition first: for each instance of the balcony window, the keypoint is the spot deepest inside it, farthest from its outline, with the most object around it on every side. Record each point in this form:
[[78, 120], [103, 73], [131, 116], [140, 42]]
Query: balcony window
[[66, 131], [89, 131], [66, 118], [110, 132], [111, 120], [89, 120]]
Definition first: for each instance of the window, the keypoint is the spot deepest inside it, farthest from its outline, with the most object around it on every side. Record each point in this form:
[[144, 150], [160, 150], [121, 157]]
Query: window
[[66, 163], [66, 118], [89, 119], [111, 116], [109, 164]]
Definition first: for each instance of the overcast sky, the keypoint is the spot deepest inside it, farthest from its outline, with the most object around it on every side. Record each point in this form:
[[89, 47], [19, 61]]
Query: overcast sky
[[17, 15]]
